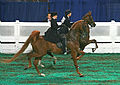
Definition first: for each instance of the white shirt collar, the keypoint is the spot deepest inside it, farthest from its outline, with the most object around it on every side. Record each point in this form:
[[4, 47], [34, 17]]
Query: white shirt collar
[[68, 16], [54, 18]]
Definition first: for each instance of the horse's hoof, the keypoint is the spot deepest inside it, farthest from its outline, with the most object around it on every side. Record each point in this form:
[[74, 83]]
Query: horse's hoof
[[42, 75], [54, 62], [81, 75], [55, 59], [25, 68], [93, 50]]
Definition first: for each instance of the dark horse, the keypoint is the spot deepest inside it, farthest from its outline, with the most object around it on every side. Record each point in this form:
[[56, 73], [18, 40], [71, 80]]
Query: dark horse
[[41, 47]]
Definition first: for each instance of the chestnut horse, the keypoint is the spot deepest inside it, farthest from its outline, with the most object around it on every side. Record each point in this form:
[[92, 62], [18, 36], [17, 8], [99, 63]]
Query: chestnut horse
[[41, 47], [84, 36], [83, 24]]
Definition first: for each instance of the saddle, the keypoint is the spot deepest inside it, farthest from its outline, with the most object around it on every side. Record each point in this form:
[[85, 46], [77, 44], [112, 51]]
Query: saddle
[[57, 37]]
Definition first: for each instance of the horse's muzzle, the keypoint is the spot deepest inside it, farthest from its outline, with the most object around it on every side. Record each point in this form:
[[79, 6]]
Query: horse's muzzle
[[93, 25]]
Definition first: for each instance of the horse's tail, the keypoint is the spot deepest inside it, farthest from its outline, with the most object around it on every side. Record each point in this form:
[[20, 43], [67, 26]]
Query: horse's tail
[[30, 39]]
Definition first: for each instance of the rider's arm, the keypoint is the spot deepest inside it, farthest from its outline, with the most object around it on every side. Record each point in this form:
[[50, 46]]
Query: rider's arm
[[63, 19]]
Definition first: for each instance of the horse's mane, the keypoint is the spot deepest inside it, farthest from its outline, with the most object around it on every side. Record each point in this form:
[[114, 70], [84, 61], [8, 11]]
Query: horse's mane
[[88, 14], [79, 21], [75, 24]]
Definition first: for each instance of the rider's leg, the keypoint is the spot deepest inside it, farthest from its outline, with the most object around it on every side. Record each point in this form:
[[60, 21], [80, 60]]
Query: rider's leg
[[63, 45]]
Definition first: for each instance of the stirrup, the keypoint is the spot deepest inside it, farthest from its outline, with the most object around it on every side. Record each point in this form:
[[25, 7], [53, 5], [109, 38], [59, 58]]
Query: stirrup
[[65, 53]]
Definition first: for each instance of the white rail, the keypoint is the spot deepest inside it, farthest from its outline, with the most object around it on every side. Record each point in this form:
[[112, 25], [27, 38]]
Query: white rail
[[13, 34]]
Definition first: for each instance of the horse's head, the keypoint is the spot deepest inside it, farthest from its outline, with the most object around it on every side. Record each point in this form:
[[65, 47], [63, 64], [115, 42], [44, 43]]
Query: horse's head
[[89, 19]]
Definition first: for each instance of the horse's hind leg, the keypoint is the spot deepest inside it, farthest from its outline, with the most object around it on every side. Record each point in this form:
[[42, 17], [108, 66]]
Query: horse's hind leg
[[30, 55], [39, 63], [30, 64], [55, 59], [93, 41], [37, 58], [29, 60], [49, 53], [35, 64]]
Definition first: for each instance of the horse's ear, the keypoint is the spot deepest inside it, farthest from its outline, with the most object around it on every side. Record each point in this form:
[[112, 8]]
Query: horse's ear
[[90, 12]]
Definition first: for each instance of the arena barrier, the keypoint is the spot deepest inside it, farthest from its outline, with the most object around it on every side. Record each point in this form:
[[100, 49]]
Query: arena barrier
[[14, 34]]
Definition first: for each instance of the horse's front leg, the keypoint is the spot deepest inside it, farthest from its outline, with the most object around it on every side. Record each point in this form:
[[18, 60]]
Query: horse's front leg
[[74, 54], [93, 41]]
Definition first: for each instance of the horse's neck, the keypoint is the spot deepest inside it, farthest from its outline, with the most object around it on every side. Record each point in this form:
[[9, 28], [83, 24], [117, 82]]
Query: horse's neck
[[85, 27], [73, 35]]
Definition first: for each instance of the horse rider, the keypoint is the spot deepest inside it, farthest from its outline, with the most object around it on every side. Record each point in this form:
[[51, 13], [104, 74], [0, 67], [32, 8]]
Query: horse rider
[[66, 19], [64, 28], [52, 34]]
